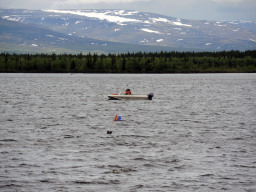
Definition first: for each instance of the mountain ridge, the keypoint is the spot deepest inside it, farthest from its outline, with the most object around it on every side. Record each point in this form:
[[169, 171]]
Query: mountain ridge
[[119, 31]]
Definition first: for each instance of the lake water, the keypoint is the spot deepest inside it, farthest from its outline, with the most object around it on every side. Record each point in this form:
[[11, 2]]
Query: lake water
[[197, 134]]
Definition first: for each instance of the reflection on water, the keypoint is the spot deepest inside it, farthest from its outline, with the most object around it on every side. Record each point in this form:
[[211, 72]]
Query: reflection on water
[[197, 134]]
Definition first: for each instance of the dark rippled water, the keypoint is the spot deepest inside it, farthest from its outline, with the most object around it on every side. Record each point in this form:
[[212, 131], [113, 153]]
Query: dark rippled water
[[197, 134]]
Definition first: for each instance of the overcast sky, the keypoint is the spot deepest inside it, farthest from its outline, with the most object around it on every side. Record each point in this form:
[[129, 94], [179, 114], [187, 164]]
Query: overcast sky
[[185, 9]]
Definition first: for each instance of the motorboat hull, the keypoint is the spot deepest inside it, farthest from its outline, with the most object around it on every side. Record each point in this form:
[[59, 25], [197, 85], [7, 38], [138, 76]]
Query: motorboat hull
[[130, 97]]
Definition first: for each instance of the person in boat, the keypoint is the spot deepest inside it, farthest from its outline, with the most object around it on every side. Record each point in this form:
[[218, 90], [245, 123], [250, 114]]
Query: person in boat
[[128, 92]]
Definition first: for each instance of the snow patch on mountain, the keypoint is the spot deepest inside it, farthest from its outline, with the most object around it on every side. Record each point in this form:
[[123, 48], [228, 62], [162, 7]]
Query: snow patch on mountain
[[13, 18], [159, 40], [98, 15], [144, 41], [123, 13], [154, 20], [150, 31], [164, 20], [181, 24]]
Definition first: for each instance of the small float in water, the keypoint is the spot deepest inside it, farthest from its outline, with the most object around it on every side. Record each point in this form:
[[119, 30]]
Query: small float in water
[[129, 96]]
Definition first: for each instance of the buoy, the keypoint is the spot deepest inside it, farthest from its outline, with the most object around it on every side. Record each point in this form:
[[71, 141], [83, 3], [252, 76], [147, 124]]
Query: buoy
[[117, 118]]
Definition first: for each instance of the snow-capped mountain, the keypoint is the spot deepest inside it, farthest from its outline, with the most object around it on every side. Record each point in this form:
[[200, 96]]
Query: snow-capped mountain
[[120, 31]]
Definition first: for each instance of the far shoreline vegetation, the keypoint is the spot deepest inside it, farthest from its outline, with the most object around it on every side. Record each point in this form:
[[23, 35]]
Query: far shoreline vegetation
[[152, 62]]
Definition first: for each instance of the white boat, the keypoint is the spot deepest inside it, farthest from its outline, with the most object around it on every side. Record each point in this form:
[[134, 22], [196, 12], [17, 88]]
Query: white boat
[[131, 97], [126, 94]]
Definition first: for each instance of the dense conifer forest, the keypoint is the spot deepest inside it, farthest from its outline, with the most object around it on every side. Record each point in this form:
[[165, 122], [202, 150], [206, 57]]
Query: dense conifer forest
[[157, 62]]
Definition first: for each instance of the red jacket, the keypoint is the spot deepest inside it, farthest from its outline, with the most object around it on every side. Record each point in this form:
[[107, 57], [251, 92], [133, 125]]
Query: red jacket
[[128, 93]]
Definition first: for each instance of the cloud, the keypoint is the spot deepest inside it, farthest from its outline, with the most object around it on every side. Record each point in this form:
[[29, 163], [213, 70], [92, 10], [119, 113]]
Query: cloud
[[187, 9], [72, 2], [92, 4], [61, 4], [109, 1], [225, 1]]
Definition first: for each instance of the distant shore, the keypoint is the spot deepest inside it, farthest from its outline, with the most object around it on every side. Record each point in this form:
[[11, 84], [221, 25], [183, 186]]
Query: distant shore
[[155, 62]]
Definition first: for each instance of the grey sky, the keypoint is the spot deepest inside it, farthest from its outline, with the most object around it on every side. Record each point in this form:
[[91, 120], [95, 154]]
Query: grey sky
[[186, 9]]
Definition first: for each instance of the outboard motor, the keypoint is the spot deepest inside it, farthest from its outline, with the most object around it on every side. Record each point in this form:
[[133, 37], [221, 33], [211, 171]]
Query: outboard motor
[[150, 95]]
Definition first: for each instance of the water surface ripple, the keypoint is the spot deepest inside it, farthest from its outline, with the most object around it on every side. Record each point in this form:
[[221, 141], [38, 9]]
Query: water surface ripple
[[197, 134]]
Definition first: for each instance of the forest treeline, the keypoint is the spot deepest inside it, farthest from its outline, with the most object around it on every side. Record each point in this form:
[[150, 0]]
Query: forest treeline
[[160, 62]]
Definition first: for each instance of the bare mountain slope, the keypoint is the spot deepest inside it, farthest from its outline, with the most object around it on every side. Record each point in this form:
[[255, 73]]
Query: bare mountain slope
[[124, 30]]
